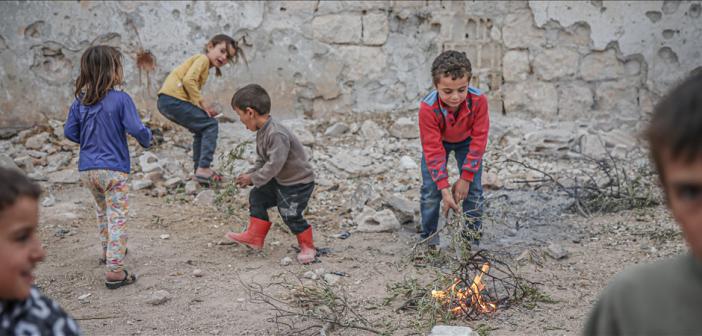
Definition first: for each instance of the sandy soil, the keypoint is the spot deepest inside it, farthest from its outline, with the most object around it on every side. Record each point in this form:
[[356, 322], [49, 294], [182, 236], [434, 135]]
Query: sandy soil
[[217, 304]]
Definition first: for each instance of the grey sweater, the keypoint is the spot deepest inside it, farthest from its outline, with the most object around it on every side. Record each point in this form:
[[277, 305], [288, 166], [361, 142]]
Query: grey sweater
[[663, 298], [280, 156]]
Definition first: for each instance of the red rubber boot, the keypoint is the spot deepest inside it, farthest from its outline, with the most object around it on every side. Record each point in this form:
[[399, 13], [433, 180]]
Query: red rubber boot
[[307, 251], [254, 235]]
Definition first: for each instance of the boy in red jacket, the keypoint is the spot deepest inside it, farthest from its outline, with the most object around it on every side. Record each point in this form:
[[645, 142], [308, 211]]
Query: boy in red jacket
[[453, 117]]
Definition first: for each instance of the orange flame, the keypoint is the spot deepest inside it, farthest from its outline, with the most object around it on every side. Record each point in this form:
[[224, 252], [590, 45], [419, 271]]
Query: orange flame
[[460, 300]]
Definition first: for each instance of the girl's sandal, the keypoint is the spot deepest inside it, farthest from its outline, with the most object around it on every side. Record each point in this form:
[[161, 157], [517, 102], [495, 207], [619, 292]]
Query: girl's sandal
[[128, 280], [209, 180]]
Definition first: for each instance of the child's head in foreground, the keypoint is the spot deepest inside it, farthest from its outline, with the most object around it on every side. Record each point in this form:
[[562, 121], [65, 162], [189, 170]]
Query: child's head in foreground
[[451, 73], [251, 103], [675, 137], [20, 248]]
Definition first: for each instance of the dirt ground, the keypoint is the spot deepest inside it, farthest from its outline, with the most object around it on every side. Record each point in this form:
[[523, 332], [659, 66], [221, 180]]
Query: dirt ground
[[217, 304]]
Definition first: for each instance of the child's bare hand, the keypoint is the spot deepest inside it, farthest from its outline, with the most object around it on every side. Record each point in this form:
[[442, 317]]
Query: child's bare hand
[[449, 202], [460, 190], [244, 180]]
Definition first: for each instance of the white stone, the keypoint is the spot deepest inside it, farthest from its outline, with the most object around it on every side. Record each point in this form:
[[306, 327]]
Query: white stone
[[407, 164], [371, 131], [556, 251], [198, 273], [205, 197], [534, 97], [515, 65], [336, 130], [159, 297], [311, 275], [405, 128], [592, 146], [306, 138], [173, 182], [375, 28], [165, 236], [404, 209], [48, 201], [341, 28], [191, 187], [555, 63], [444, 330], [149, 162], [376, 221], [37, 141], [331, 279], [575, 100], [142, 184], [7, 163], [601, 65], [286, 261], [56, 127], [491, 180]]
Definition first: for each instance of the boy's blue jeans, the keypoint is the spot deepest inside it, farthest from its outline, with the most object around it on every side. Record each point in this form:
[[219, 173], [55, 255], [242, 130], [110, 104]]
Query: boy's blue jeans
[[430, 196], [203, 127]]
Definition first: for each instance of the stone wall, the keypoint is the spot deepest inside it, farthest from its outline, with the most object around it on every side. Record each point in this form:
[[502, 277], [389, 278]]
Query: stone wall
[[606, 60]]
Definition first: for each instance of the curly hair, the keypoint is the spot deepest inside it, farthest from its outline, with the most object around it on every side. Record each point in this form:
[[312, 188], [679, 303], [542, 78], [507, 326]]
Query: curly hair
[[451, 63]]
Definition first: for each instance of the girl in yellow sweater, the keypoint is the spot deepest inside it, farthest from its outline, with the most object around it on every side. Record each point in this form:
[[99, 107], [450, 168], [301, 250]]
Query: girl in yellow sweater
[[180, 101]]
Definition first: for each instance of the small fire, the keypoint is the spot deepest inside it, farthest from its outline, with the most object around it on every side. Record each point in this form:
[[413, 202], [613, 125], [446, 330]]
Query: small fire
[[467, 299]]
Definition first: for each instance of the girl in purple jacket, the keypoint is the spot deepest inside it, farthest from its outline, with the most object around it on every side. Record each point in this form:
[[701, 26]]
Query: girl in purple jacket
[[98, 120]]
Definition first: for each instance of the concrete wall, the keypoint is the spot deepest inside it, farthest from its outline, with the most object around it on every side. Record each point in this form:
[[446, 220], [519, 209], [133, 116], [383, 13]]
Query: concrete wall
[[554, 60]]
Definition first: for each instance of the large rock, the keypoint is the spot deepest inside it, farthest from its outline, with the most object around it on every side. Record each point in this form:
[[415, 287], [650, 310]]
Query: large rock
[[306, 138], [149, 162], [142, 184], [575, 100], [8, 163], [515, 65], [601, 65], [405, 128], [404, 209], [371, 131], [337, 28], [444, 330], [555, 63], [534, 97], [376, 221], [375, 28], [37, 141], [336, 130]]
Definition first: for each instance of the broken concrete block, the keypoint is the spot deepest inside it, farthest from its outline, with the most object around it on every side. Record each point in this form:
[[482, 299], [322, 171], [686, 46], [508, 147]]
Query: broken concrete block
[[149, 162], [403, 208], [376, 221], [142, 184], [371, 131], [405, 128], [8, 163], [191, 187], [173, 182], [336, 130], [407, 164], [556, 251], [205, 197], [37, 141]]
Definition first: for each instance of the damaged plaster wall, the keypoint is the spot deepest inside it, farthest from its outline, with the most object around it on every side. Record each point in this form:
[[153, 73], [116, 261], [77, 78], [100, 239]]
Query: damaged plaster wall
[[552, 60]]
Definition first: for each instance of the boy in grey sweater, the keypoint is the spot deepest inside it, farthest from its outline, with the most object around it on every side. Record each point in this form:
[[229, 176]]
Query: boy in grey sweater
[[282, 175], [665, 298]]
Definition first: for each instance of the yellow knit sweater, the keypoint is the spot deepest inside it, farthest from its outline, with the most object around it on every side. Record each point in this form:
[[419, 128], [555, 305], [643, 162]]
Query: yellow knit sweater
[[186, 81]]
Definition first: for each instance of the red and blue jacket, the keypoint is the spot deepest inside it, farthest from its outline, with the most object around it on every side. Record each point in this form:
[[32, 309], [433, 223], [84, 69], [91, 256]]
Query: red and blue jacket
[[438, 125]]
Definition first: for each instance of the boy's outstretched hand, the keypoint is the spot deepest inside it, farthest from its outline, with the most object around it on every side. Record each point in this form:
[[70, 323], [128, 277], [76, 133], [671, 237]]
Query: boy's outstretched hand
[[449, 203], [244, 180], [460, 190]]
